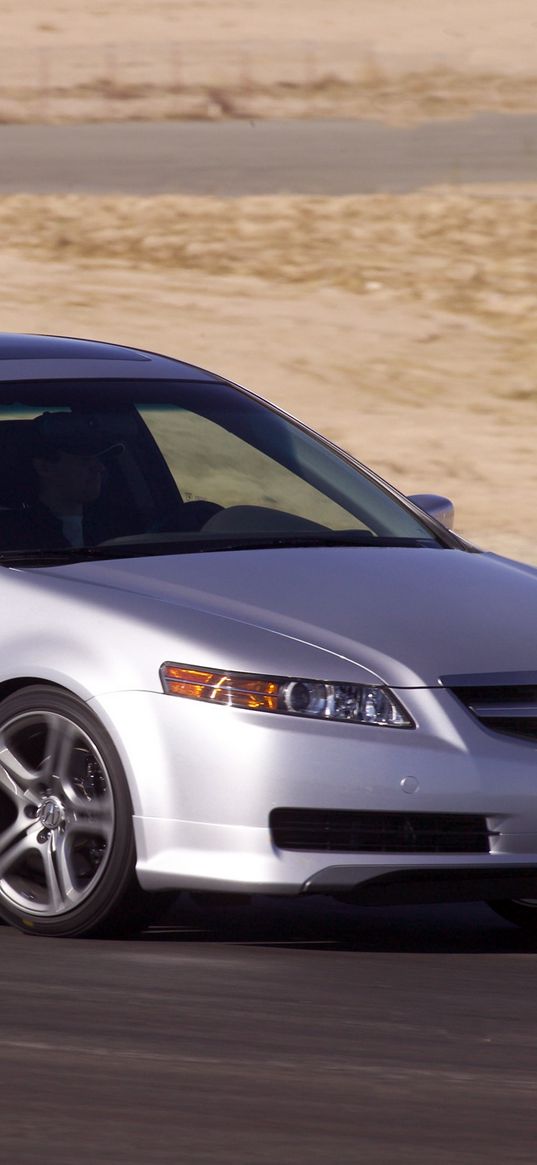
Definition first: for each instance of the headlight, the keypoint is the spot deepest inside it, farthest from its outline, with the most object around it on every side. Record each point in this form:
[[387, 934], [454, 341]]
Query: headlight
[[353, 703]]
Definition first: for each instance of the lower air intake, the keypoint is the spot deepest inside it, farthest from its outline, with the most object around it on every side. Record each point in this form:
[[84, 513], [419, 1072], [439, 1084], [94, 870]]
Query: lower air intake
[[350, 831]]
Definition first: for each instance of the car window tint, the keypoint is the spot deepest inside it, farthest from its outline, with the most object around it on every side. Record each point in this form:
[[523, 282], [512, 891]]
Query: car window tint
[[196, 460], [209, 462]]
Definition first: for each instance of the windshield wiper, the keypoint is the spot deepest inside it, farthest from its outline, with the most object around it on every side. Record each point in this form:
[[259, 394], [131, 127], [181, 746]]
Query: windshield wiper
[[198, 544], [67, 555], [277, 541], [53, 556]]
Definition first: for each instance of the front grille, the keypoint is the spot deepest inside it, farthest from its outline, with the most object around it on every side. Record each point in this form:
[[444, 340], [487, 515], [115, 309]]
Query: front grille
[[352, 831], [508, 707]]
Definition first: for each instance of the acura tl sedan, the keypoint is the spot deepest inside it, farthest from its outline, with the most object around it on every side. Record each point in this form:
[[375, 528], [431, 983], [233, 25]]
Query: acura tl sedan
[[235, 661]]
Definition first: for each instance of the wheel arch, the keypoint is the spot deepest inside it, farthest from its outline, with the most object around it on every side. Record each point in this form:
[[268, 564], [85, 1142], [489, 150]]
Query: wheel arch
[[13, 686], [10, 687]]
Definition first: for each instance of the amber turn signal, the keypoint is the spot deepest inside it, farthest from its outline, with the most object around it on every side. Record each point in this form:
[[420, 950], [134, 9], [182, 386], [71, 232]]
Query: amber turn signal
[[237, 691]]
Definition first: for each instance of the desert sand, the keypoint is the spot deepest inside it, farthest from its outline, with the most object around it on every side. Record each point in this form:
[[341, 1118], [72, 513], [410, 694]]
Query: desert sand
[[472, 34]]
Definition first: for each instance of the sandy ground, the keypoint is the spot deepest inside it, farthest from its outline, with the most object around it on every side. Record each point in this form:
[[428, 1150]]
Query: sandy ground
[[475, 33], [393, 59], [402, 327]]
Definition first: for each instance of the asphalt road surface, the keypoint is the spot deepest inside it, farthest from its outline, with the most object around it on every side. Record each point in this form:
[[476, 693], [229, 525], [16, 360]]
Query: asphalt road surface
[[305, 1033], [266, 157]]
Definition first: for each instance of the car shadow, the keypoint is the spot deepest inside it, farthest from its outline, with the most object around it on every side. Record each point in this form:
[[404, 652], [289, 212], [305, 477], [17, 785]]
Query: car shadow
[[323, 924]]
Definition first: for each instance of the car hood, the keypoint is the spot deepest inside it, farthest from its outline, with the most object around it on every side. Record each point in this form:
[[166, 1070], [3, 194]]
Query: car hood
[[409, 616]]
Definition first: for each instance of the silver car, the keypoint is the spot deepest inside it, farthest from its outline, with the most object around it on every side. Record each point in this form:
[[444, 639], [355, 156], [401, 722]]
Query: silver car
[[236, 661]]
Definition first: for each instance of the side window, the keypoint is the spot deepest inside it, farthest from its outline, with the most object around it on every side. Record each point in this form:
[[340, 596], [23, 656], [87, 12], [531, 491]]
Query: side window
[[210, 463]]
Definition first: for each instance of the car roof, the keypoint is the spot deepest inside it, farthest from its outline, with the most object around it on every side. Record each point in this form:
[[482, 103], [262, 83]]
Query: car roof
[[35, 357]]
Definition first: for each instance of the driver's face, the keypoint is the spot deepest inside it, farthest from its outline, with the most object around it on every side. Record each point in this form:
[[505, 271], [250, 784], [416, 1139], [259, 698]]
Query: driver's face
[[74, 478]]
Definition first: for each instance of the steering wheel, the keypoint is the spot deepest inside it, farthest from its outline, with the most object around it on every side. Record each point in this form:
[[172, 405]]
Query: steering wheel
[[185, 517]]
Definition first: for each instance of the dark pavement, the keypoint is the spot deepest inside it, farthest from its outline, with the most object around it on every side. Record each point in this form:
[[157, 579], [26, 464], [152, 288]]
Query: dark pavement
[[293, 1032]]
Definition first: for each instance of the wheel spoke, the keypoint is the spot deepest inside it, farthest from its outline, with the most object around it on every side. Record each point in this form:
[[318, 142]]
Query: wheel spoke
[[55, 895], [61, 735], [9, 786], [19, 828], [12, 849], [83, 805], [58, 870], [19, 795], [18, 781]]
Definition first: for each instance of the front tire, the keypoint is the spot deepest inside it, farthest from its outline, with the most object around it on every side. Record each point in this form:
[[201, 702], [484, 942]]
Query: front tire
[[67, 853]]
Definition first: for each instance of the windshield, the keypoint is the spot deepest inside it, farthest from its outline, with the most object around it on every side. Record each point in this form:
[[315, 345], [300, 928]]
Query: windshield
[[120, 468]]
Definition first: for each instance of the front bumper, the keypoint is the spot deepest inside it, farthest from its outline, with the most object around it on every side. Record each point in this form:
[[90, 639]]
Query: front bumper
[[204, 780], [184, 855]]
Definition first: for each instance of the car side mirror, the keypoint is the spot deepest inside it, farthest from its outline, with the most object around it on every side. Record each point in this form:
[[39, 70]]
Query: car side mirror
[[436, 506]]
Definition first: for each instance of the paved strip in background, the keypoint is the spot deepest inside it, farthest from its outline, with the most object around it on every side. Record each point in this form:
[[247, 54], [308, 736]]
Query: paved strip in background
[[233, 158]]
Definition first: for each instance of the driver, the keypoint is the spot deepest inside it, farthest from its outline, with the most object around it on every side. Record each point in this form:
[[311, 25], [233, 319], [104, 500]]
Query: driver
[[68, 456]]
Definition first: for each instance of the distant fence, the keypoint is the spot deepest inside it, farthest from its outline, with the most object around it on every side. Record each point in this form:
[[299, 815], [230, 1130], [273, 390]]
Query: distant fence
[[45, 68], [165, 78]]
